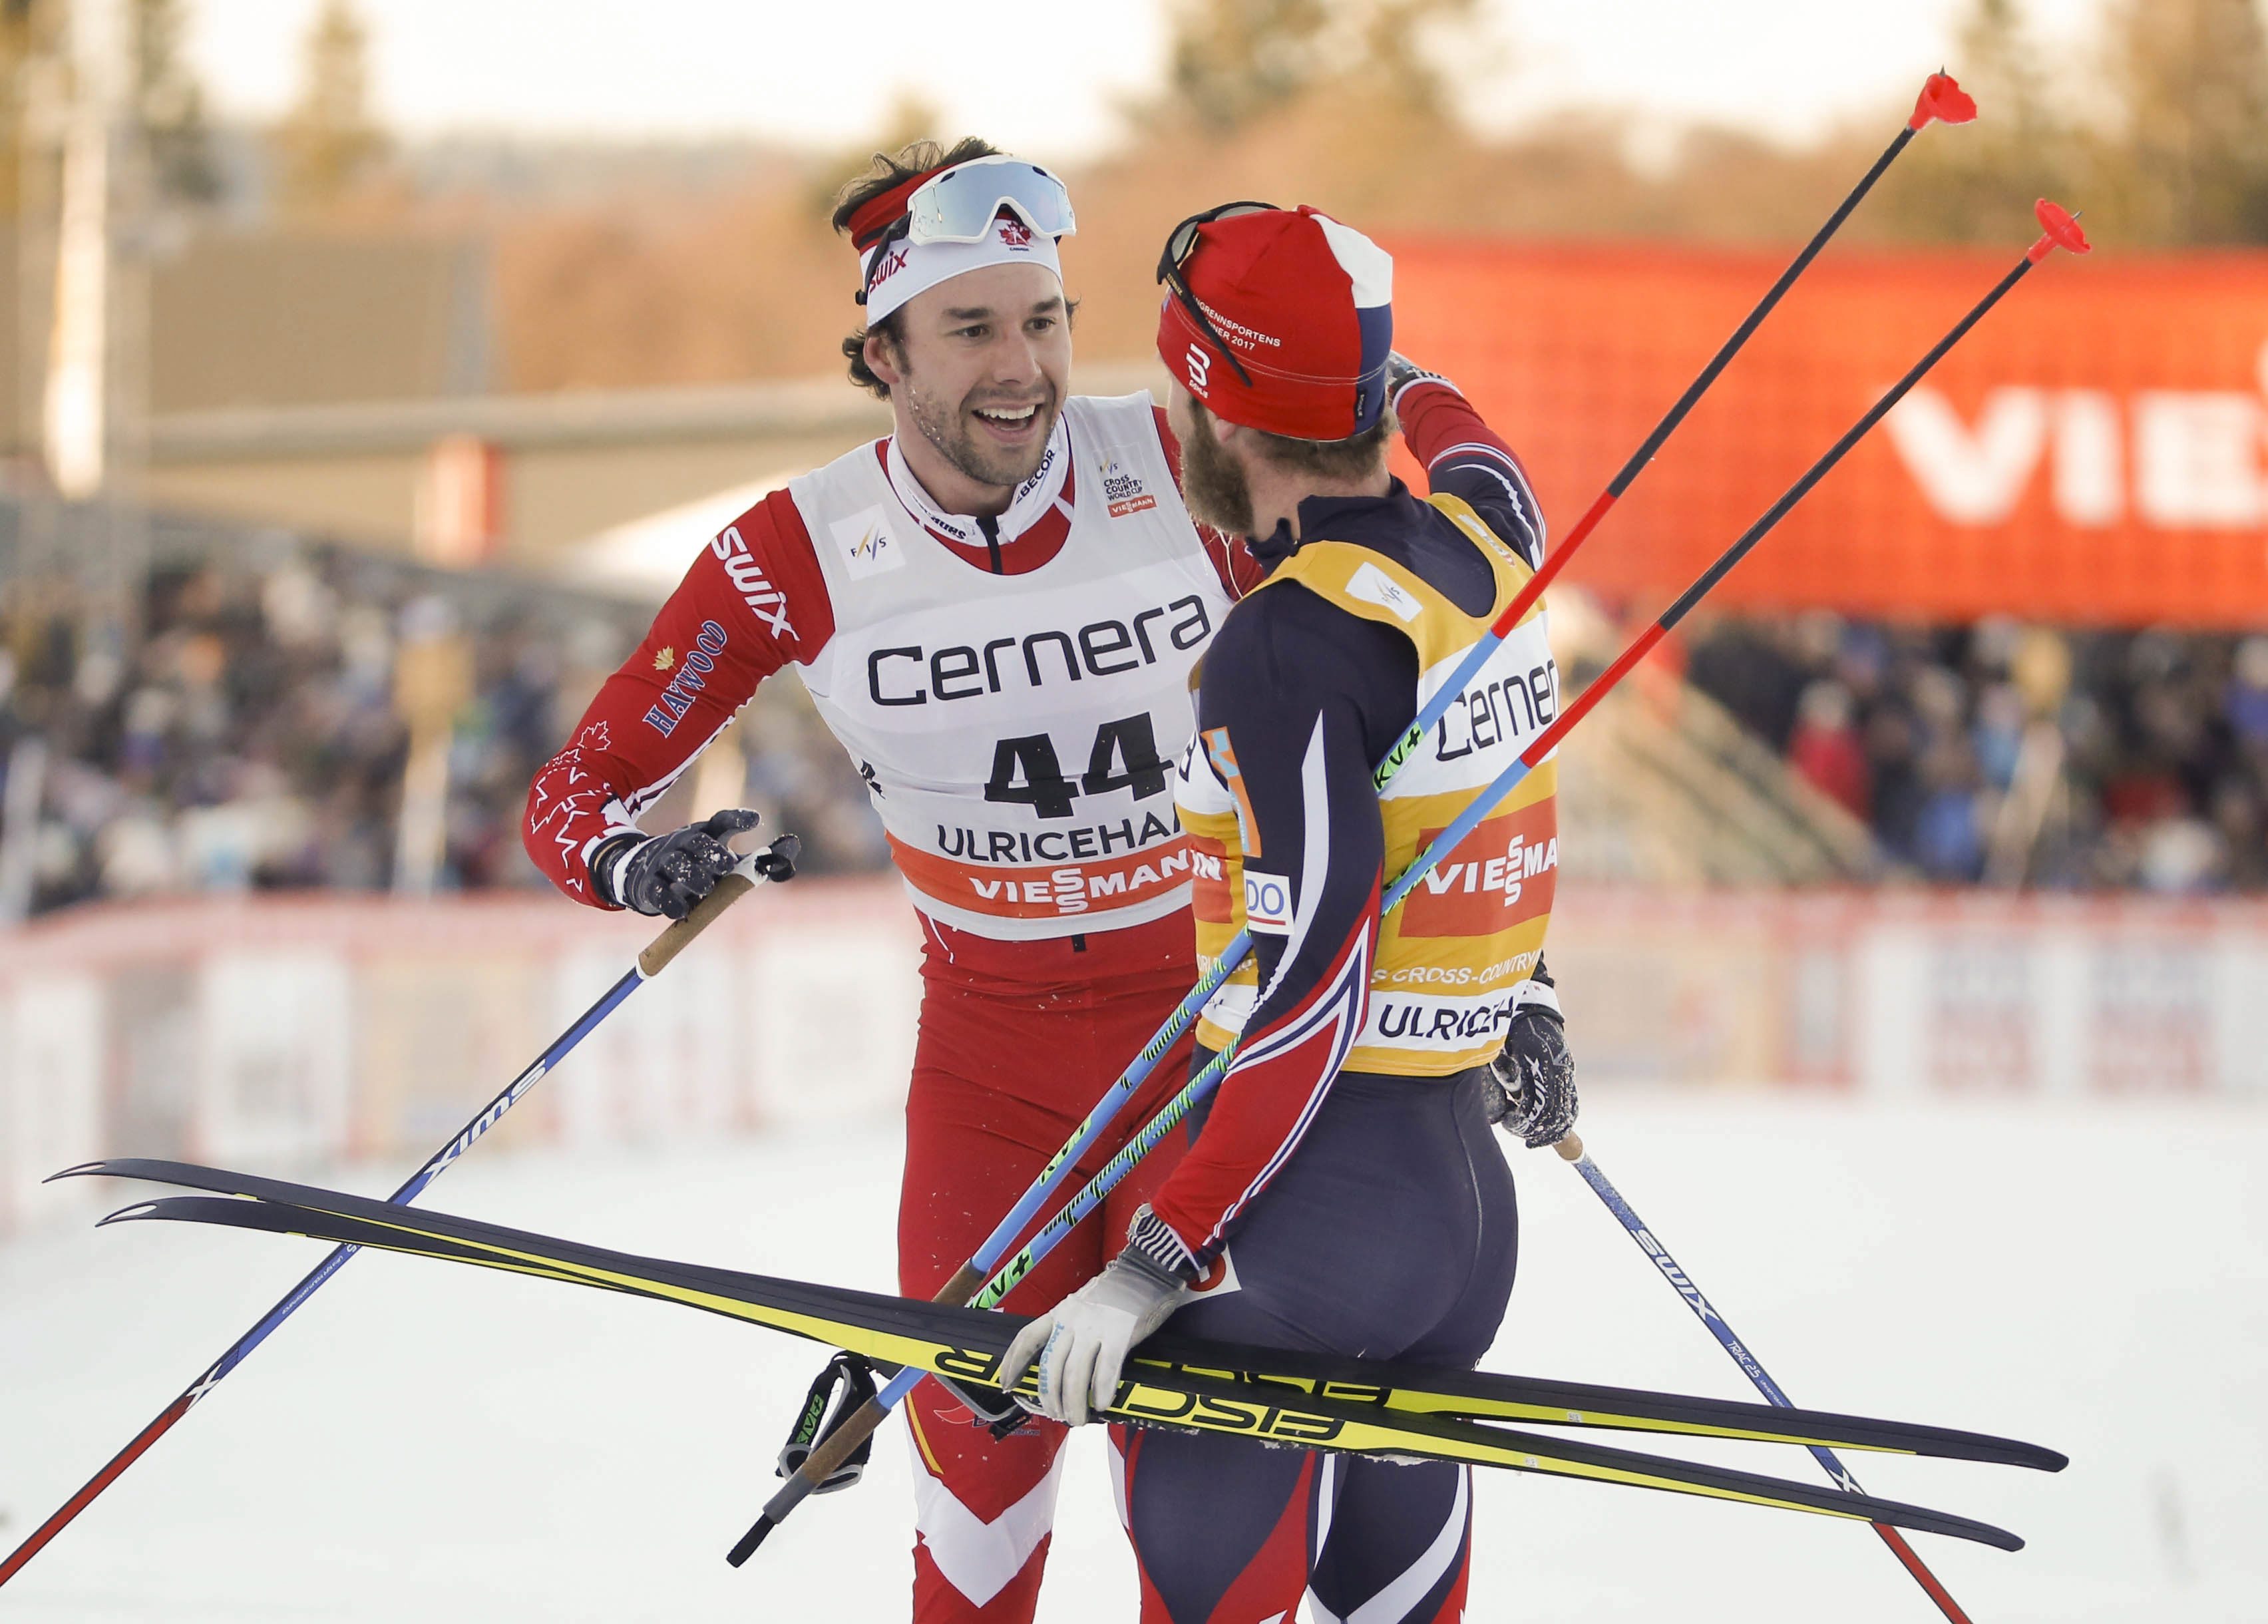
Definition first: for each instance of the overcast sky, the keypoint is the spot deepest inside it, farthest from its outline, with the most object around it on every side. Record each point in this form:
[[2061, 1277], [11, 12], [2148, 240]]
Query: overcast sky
[[1039, 75]]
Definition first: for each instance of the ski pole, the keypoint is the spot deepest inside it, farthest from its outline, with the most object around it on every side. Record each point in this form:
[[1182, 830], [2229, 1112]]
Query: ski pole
[[2061, 231], [1571, 1148], [1941, 100], [777, 862]]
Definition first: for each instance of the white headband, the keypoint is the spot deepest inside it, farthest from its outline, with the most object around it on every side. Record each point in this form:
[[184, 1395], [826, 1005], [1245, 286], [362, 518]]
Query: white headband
[[910, 268]]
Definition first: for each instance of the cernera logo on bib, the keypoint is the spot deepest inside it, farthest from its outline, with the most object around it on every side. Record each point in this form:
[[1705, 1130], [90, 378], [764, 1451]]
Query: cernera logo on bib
[[868, 546]]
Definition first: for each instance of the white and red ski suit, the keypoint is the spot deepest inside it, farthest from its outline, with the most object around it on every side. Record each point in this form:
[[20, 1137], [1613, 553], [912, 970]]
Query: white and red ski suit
[[1013, 692]]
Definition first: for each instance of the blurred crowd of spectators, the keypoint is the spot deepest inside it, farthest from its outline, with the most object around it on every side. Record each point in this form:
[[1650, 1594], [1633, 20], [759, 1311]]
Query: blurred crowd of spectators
[[2018, 754], [253, 730], [251, 725]]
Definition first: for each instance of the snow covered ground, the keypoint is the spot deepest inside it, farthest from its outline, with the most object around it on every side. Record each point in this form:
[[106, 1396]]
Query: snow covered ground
[[446, 1444]]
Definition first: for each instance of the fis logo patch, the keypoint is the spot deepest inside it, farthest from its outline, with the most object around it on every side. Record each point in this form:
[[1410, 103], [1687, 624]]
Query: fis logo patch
[[1372, 585], [868, 547]]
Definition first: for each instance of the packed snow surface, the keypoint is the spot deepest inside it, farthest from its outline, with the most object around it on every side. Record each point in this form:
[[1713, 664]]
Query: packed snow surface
[[433, 1441]]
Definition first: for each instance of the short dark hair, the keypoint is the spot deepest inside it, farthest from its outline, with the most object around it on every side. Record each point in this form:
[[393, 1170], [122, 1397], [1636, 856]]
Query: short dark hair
[[1358, 456], [890, 169]]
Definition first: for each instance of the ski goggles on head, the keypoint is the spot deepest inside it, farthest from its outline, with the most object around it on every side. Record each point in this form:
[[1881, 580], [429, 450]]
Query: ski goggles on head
[[1180, 244], [960, 204]]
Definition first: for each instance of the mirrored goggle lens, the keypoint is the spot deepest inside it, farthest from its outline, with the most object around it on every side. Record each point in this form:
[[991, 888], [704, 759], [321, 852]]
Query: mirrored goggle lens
[[960, 204], [1184, 239]]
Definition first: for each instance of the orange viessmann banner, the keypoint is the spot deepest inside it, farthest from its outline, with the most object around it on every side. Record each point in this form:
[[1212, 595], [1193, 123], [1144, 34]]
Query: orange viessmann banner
[[2096, 451]]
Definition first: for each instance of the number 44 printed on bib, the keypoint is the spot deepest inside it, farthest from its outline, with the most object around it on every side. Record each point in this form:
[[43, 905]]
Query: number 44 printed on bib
[[1026, 769]]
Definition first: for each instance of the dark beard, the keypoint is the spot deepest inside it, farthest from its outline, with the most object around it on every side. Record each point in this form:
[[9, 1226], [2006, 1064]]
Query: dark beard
[[1213, 487], [948, 429]]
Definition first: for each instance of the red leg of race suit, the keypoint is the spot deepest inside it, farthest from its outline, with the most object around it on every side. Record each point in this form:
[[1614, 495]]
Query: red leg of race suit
[[1002, 1076]]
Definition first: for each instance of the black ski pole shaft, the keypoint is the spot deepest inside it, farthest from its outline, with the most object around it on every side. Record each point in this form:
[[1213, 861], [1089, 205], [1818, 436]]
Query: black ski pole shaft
[[1941, 100], [2059, 230], [1571, 1150]]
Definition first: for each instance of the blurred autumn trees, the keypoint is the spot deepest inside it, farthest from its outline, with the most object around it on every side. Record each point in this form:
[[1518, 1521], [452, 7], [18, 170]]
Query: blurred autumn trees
[[329, 143], [623, 268], [2161, 136], [2159, 133]]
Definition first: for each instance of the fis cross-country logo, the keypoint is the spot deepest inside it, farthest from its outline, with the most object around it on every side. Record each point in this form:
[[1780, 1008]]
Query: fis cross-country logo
[[1124, 490], [868, 547]]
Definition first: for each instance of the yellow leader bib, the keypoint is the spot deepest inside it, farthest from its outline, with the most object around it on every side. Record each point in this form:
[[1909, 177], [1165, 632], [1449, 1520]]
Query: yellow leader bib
[[1450, 957]]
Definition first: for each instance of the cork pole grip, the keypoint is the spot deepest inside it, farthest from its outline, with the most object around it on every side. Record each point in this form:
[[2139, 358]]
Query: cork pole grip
[[1570, 1148], [680, 936]]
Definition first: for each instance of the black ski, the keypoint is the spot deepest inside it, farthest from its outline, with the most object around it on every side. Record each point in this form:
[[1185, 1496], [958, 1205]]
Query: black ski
[[1331, 1405]]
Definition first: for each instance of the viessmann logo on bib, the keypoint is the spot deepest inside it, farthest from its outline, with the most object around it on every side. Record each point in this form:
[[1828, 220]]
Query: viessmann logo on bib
[[1503, 873], [1047, 893]]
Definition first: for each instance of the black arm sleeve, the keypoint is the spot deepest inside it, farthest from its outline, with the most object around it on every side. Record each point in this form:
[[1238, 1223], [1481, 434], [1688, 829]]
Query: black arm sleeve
[[1309, 698]]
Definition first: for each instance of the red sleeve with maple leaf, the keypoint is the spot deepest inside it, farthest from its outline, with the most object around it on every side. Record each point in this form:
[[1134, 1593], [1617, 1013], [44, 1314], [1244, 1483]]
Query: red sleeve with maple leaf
[[753, 600]]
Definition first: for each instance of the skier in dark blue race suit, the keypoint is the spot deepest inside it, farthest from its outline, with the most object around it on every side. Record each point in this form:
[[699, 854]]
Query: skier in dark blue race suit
[[1343, 1192]]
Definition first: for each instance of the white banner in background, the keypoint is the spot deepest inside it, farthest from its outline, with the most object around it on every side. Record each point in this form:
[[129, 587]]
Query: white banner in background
[[50, 1094]]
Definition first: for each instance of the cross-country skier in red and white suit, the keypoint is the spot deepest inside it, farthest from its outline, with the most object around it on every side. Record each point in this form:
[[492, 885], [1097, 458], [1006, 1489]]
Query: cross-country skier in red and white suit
[[997, 610]]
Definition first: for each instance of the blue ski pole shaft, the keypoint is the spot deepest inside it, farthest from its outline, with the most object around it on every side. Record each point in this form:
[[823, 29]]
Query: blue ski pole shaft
[[1171, 1113], [1431, 713], [1571, 1148], [2060, 233], [664, 948], [835, 1448]]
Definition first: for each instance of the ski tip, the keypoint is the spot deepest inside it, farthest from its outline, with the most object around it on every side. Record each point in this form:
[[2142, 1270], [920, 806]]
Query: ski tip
[[83, 1170], [120, 1167], [1943, 100], [129, 1215], [2061, 229]]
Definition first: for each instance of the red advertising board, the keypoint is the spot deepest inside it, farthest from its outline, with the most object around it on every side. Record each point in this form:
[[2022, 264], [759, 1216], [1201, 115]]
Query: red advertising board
[[2096, 451]]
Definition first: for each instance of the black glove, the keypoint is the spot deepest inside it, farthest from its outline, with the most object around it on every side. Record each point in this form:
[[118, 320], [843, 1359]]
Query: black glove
[[668, 874], [1534, 1098], [1401, 372]]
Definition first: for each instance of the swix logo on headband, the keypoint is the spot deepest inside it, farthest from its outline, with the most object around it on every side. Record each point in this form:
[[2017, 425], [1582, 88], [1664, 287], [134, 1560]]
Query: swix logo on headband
[[893, 261]]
